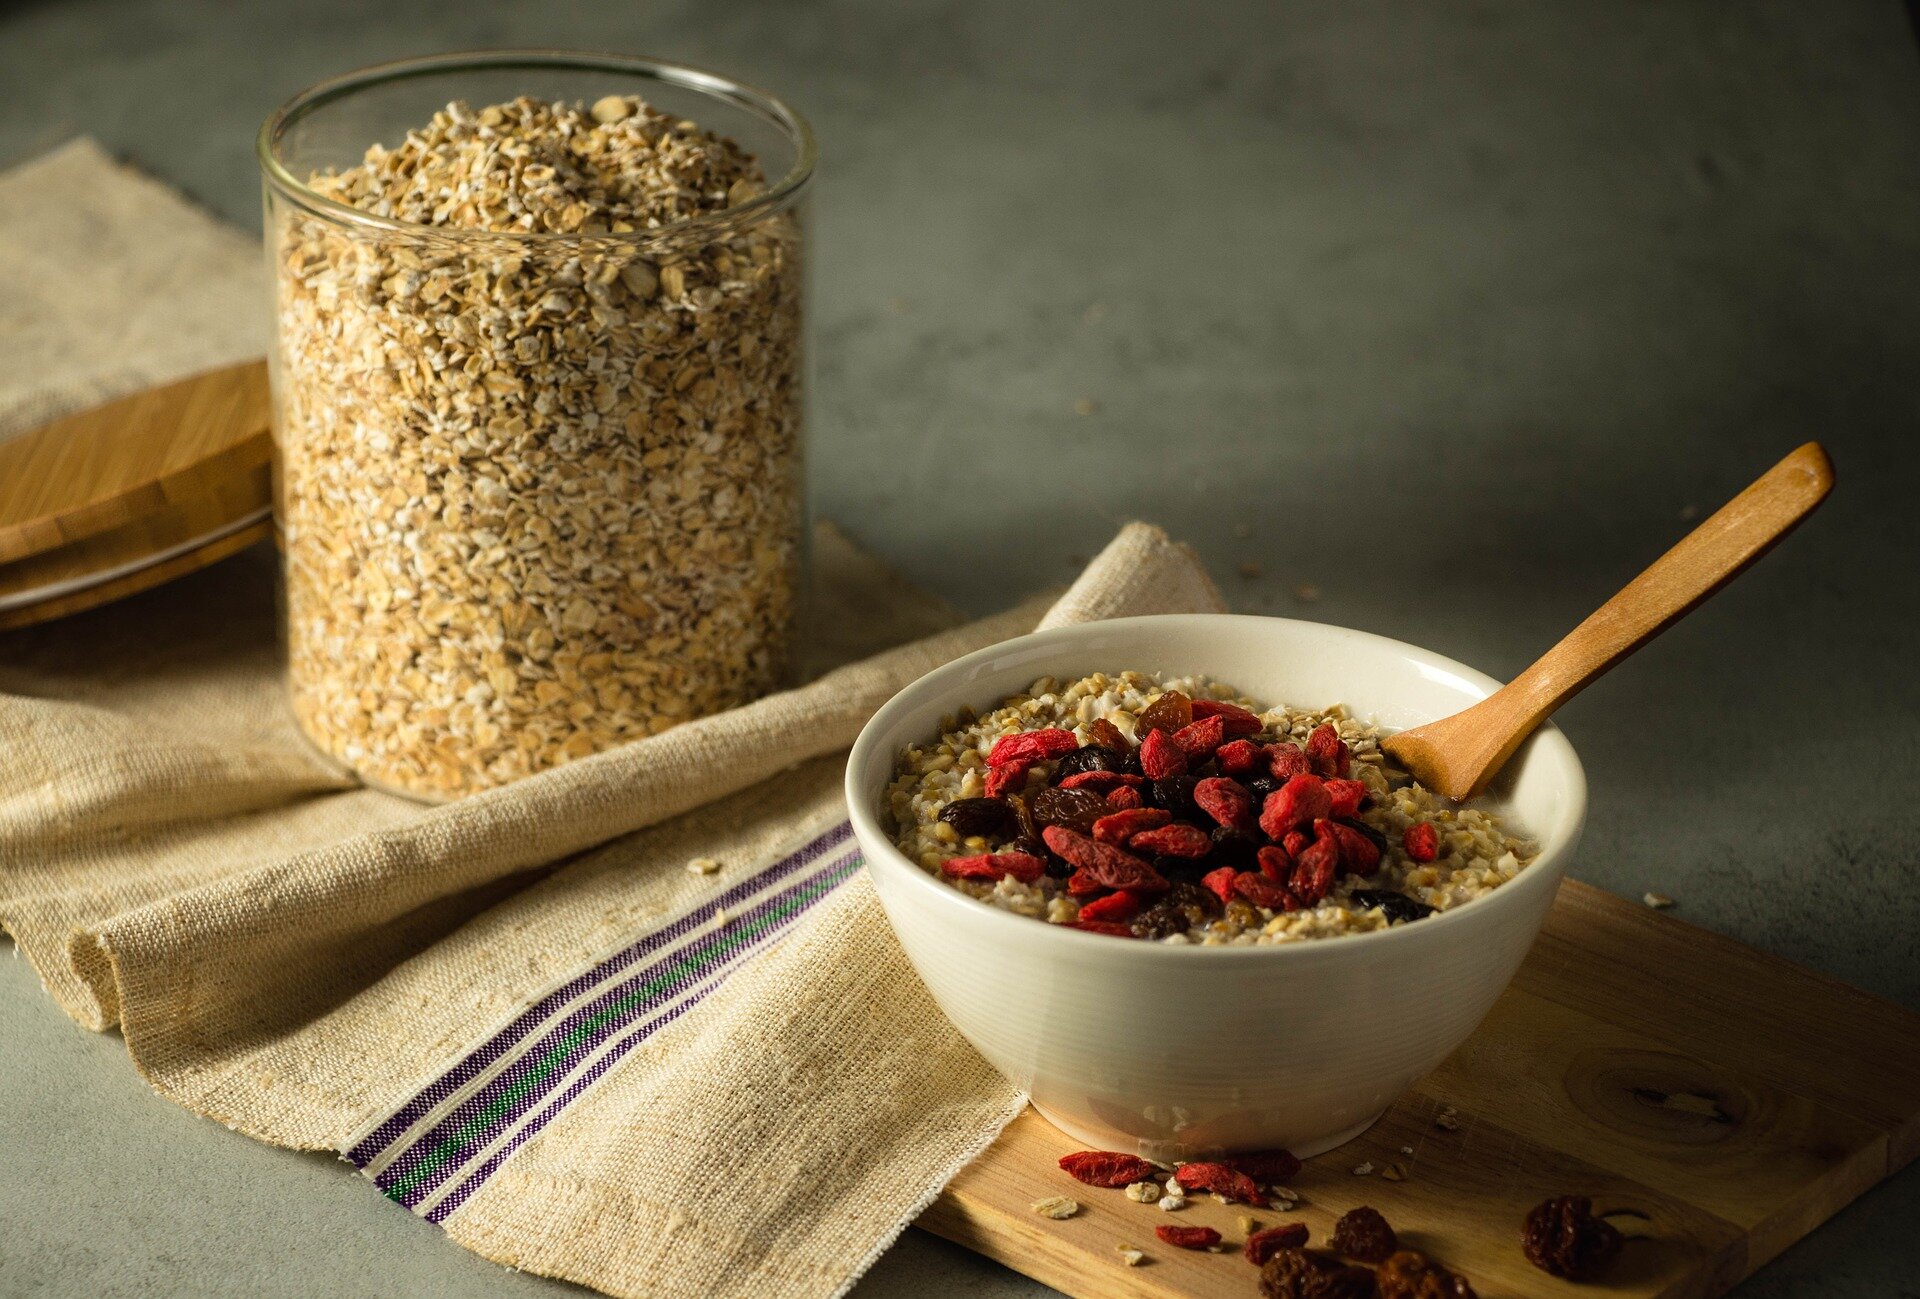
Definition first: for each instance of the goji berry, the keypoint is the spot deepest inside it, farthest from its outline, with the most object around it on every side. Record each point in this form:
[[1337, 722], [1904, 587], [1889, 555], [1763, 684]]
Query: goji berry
[[1199, 739], [1101, 782], [1103, 732], [1126, 796], [1221, 1180], [1188, 1237], [1028, 747], [1226, 801], [1188, 841], [1263, 892], [1160, 757], [1238, 757], [1346, 796], [1262, 1245], [1220, 882], [1285, 761], [1268, 1166], [1117, 827], [1315, 870], [1006, 779], [993, 865], [1296, 842], [1324, 751], [1112, 928], [1116, 907], [1239, 721], [1084, 884], [1112, 867], [1359, 855], [1275, 862], [1421, 841], [1108, 1168], [1301, 801]]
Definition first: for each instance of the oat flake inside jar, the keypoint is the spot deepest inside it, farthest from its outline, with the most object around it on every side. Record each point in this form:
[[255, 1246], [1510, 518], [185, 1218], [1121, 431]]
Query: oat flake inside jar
[[537, 407]]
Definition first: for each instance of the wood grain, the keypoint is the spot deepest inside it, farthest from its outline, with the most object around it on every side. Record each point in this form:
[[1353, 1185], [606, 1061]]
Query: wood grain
[[1458, 755], [1736, 1099]]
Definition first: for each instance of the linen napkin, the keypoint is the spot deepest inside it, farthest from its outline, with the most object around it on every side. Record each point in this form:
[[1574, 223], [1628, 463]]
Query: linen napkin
[[522, 1015]]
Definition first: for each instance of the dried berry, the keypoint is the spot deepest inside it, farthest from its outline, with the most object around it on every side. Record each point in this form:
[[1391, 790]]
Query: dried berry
[[1398, 907], [1112, 867], [1301, 801], [1358, 854], [1007, 779], [1201, 738], [1263, 892], [1028, 747], [1104, 733], [1108, 1168], [1421, 841], [1313, 1274], [1161, 757], [1226, 801], [1181, 908], [1358, 826], [1296, 842], [1112, 928], [1265, 1166], [1314, 871], [1090, 757], [1410, 1274], [1222, 883], [1239, 758], [1175, 793], [1117, 908], [1124, 798], [1327, 754], [1171, 711], [1174, 841], [995, 865], [1118, 827], [1346, 796], [1101, 782], [982, 817], [1238, 720], [1563, 1237], [1236, 845], [1274, 863], [1221, 1180], [1023, 816], [1188, 1237], [1363, 1234], [1076, 809], [1285, 761], [1262, 1245], [1084, 884]]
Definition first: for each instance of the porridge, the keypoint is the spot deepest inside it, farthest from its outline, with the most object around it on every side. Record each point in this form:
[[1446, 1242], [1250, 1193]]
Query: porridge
[[1178, 810]]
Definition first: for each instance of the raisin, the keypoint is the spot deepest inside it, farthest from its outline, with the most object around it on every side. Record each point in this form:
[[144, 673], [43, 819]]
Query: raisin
[[1359, 855], [1200, 739], [1313, 1274], [1023, 817], [1118, 827], [1421, 841], [1410, 1274], [1169, 712], [1268, 1166], [1175, 793], [1076, 809], [1090, 757], [1314, 871], [1262, 1245], [1355, 824], [1187, 841], [1188, 1237], [1111, 867], [1226, 801], [1161, 756], [1347, 797], [1234, 846], [1398, 907], [1260, 786], [1116, 907], [1105, 734], [1238, 720], [1028, 747], [1221, 1180], [1107, 1168], [1364, 1235], [1184, 906], [1285, 761], [982, 817], [1563, 1237], [1301, 801]]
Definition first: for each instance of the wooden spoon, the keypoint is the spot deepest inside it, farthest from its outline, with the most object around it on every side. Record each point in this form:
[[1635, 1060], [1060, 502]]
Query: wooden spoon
[[1458, 755]]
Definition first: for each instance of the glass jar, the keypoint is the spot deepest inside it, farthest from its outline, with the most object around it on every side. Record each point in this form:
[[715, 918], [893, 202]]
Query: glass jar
[[538, 492]]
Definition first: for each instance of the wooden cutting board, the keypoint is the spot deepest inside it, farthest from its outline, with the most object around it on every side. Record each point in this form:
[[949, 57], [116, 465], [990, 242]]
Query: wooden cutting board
[[1736, 1099]]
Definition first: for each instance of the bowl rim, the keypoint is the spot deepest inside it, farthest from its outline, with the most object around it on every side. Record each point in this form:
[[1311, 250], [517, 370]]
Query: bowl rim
[[1544, 871]]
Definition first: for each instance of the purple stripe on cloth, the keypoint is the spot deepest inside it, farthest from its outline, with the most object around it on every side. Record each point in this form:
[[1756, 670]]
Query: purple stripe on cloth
[[430, 1151], [365, 1151], [487, 1168]]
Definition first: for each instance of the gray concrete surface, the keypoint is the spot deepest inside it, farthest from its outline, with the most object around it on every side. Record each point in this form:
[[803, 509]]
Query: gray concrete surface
[[1453, 311]]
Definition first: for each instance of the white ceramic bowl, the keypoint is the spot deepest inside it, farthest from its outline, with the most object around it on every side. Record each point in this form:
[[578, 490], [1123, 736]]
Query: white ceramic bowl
[[1174, 1051]]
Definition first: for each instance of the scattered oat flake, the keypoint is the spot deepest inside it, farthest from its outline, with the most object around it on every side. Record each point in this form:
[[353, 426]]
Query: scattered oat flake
[[1169, 1203], [1130, 1256], [1363, 1169], [720, 916], [1306, 593], [1247, 1223], [1251, 570], [1085, 406], [1056, 1206], [1658, 901], [1406, 1150], [1143, 1192], [1448, 1119], [702, 866]]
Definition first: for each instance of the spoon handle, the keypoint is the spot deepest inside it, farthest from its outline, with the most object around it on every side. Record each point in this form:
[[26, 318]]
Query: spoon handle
[[1476, 743]]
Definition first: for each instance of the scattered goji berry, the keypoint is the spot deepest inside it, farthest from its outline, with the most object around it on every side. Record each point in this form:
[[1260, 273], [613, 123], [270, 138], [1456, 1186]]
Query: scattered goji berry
[[1261, 1244], [1239, 721], [1116, 907], [1199, 739], [1285, 761], [1188, 1237], [1323, 751], [1263, 892], [1179, 840], [1268, 1166], [1117, 827], [1315, 870], [1359, 855], [1027, 747], [1112, 928], [1103, 732], [1238, 757], [1275, 863], [1301, 801], [1226, 801], [1101, 782], [1421, 841], [1221, 882], [1346, 796], [1160, 757], [1108, 1168], [1112, 867], [1221, 1180], [1005, 779]]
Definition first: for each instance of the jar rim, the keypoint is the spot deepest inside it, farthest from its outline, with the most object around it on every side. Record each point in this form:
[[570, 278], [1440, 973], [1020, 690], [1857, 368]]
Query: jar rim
[[777, 197]]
